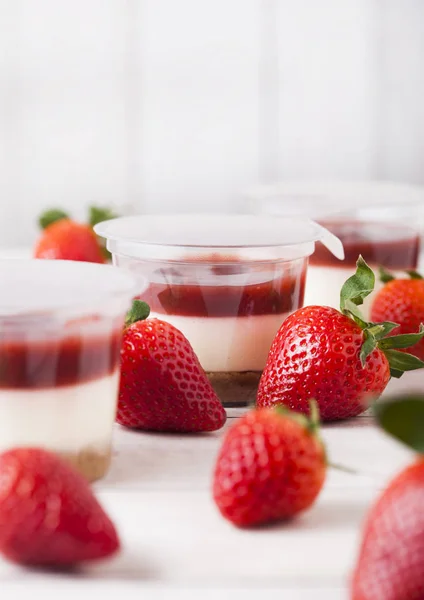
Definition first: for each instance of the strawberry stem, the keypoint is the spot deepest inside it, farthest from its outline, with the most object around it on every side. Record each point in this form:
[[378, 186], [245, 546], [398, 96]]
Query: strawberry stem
[[139, 312], [313, 422], [342, 468]]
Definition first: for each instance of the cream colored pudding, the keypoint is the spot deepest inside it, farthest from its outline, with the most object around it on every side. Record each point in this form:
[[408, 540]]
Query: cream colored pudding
[[61, 394], [74, 420], [61, 326], [229, 344]]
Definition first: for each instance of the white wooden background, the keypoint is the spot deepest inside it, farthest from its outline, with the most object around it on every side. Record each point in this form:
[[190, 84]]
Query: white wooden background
[[161, 104]]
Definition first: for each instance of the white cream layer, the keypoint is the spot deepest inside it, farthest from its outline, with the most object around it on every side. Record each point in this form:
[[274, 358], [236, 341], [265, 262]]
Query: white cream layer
[[226, 344], [323, 285], [63, 419]]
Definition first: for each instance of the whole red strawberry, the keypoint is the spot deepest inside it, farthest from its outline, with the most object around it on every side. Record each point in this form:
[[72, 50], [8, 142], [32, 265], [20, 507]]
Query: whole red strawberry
[[48, 514], [335, 357], [390, 564], [401, 301], [271, 466], [163, 386], [68, 240], [65, 239]]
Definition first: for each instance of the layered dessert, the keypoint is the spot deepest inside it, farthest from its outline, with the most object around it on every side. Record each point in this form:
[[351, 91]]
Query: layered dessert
[[226, 281], [60, 392], [393, 247], [230, 312]]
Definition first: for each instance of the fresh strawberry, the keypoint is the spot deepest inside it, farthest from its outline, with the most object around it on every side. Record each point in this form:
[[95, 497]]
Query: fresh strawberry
[[68, 240], [65, 239], [401, 301], [163, 386], [271, 466], [48, 514], [390, 564], [335, 357]]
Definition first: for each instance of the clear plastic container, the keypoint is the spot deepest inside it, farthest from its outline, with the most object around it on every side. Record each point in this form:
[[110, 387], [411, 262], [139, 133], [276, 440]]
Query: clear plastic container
[[226, 281], [60, 335], [382, 225], [314, 198]]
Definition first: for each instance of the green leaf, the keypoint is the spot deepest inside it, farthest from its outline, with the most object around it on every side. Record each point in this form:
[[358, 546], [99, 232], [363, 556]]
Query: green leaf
[[384, 275], [353, 311], [402, 361], [139, 312], [358, 286], [414, 274], [403, 418], [368, 346], [107, 255], [51, 216], [396, 374], [383, 329], [98, 214], [405, 340]]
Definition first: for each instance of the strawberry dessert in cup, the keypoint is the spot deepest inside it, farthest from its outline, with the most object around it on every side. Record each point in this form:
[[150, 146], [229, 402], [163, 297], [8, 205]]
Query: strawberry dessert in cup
[[394, 247], [385, 234], [60, 335], [227, 282]]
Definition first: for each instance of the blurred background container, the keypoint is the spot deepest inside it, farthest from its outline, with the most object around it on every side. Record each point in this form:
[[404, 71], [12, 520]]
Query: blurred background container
[[157, 105]]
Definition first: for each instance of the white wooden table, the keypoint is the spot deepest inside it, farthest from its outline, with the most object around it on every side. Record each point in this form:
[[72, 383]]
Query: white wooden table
[[176, 545]]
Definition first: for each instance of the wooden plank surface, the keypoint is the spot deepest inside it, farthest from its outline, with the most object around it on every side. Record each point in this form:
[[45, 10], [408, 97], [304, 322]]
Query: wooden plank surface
[[158, 493]]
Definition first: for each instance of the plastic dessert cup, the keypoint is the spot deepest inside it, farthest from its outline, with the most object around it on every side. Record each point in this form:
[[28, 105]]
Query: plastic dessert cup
[[383, 234], [60, 336], [404, 201], [393, 246], [226, 281]]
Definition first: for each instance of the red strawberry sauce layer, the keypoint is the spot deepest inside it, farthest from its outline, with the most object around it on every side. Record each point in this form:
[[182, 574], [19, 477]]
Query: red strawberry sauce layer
[[281, 293], [379, 243], [29, 364]]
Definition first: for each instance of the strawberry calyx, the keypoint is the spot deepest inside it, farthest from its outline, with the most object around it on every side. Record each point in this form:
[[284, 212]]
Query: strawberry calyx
[[97, 214], [311, 423], [402, 417], [51, 216], [139, 311], [377, 335], [385, 276]]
